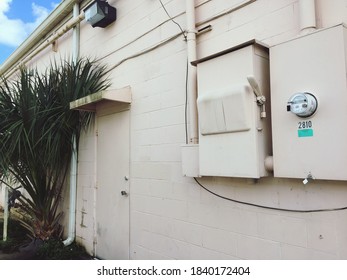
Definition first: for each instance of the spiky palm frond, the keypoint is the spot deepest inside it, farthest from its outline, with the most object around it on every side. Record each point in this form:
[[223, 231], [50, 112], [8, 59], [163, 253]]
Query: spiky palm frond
[[36, 132]]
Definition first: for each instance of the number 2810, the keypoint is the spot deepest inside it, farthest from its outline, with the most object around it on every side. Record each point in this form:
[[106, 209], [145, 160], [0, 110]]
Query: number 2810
[[304, 124]]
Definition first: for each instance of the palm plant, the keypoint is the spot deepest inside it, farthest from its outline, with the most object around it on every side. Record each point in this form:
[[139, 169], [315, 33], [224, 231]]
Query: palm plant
[[37, 129]]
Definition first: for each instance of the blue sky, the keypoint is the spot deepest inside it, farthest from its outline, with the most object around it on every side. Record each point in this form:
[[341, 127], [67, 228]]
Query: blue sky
[[18, 18]]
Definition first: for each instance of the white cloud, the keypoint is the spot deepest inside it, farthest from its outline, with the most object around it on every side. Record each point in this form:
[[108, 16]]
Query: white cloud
[[14, 31], [4, 6], [40, 13]]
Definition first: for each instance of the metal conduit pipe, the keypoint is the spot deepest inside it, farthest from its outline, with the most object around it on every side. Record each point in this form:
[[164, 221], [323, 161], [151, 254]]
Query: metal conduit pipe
[[73, 195], [76, 33], [6, 214], [307, 16], [192, 72], [73, 167]]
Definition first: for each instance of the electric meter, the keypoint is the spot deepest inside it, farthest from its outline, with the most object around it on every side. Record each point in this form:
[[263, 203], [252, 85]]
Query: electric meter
[[303, 104]]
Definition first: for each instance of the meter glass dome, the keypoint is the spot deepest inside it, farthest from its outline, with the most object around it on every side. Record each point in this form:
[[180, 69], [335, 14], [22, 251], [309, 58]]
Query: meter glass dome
[[303, 104]]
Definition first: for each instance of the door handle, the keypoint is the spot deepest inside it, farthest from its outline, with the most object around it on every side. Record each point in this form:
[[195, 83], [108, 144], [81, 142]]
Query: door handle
[[124, 193]]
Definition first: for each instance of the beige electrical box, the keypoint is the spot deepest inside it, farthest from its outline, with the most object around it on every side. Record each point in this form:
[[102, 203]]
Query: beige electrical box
[[309, 106], [234, 121]]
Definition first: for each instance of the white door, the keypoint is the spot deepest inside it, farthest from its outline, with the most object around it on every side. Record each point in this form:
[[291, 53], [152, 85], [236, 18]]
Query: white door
[[112, 201]]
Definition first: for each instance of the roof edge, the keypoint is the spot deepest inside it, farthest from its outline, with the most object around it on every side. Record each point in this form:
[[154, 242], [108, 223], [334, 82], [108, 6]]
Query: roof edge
[[51, 22]]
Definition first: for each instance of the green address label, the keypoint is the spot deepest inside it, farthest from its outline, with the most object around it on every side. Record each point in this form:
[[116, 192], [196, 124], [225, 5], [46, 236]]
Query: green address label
[[305, 132]]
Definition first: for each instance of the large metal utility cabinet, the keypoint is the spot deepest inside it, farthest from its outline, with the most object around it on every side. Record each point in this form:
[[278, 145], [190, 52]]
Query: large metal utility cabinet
[[234, 121], [309, 105]]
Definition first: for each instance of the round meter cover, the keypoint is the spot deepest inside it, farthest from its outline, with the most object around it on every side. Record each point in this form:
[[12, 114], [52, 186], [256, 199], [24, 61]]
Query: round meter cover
[[303, 104]]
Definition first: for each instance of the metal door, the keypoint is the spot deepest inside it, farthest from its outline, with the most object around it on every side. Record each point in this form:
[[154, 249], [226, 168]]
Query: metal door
[[112, 201]]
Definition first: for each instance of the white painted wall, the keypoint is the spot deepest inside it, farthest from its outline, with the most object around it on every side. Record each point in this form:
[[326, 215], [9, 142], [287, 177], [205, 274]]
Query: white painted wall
[[171, 217]]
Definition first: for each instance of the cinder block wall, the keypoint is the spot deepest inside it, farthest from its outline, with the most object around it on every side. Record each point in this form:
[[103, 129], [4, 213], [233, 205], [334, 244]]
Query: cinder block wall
[[171, 216]]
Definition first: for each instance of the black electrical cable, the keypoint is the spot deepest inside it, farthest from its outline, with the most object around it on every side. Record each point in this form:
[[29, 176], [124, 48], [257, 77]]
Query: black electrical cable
[[175, 22], [187, 69], [213, 193], [269, 207]]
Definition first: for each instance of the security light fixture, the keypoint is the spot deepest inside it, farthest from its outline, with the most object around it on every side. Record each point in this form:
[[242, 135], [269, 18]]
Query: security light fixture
[[100, 14]]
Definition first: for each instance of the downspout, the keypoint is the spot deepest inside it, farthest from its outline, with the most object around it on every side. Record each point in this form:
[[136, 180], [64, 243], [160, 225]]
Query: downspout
[[73, 193], [4, 232], [73, 165], [76, 33], [192, 72], [307, 16]]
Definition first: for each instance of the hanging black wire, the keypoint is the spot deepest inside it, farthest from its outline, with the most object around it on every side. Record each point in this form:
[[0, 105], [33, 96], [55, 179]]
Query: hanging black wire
[[269, 207], [175, 22], [213, 193]]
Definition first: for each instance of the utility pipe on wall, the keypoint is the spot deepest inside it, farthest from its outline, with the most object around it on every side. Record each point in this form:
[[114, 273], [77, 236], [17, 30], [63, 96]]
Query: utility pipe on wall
[[6, 214], [307, 16], [76, 34], [192, 72], [73, 194], [73, 166]]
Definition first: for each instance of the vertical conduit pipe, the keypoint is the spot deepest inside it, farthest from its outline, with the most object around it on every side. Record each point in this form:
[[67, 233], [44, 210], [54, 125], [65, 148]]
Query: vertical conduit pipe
[[73, 165], [76, 35], [307, 16], [73, 192], [192, 72], [4, 232]]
